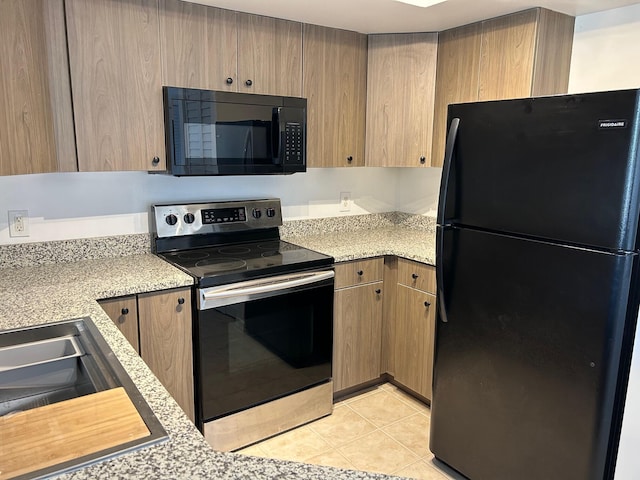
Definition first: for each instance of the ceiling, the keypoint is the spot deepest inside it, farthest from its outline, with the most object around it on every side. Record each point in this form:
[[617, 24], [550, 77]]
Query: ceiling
[[389, 16]]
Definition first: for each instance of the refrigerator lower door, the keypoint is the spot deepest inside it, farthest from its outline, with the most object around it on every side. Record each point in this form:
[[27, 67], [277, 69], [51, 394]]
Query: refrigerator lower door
[[526, 364]]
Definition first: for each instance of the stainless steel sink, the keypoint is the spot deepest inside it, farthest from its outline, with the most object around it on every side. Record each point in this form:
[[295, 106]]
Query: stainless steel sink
[[60, 361]]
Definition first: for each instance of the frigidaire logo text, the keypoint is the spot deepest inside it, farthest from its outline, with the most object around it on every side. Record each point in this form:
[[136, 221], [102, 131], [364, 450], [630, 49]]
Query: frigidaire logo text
[[612, 124]]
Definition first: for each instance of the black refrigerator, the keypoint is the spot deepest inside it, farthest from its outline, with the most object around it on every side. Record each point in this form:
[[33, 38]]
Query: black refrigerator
[[537, 265]]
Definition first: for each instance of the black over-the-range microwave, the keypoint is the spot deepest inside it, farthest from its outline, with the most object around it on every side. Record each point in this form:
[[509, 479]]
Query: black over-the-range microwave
[[226, 133]]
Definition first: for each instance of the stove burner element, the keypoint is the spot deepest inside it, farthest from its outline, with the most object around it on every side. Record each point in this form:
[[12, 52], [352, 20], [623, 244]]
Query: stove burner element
[[192, 255], [235, 250], [269, 246], [221, 264]]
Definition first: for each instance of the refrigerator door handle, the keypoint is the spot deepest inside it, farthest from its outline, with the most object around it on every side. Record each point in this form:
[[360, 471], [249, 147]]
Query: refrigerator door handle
[[446, 167], [440, 274]]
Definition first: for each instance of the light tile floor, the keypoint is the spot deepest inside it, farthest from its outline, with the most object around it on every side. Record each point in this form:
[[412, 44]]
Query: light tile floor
[[383, 430]]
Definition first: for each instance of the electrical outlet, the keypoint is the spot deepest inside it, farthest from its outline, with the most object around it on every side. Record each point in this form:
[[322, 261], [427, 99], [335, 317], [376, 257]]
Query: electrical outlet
[[345, 202], [19, 223]]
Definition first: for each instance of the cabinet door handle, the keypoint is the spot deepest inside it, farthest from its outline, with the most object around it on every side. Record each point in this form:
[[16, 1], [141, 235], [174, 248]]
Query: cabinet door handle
[[248, 83], [350, 158], [180, 301], [427, 304], [423, 160], [359, 272], [229, 81], [414, 276], [125, 311], [378, 291], [155, 161]]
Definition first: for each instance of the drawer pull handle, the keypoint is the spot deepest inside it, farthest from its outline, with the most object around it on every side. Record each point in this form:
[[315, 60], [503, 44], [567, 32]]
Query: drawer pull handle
[[180, 301], [378, 291], [427, 304], [124, 311], [359, 272], [414, 276]]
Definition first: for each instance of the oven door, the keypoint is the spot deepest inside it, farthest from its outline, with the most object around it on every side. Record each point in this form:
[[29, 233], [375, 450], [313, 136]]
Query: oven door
[[260, 340]]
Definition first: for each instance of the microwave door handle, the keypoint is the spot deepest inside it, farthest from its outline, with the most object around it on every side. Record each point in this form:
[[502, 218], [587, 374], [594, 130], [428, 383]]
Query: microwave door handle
[[276, 143]]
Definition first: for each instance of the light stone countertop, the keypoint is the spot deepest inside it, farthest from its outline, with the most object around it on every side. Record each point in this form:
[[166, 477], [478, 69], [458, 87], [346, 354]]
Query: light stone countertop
[[412, 243], [32, 295]]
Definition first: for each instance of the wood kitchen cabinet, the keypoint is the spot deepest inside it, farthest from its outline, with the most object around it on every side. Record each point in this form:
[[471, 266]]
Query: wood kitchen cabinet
[[519, 55], [124, 313], [414, 326], [335, 84], [36, 122], [115, 65], [357, 323], [162, 331], [217, 49], [400, 99], [189, 33]]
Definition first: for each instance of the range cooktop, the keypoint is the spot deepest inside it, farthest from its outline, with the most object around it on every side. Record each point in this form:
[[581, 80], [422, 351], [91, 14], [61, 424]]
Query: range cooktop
[[225, 242]]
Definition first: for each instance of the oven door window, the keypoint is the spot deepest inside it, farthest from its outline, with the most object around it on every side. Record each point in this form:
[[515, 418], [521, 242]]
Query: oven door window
[[222, 138], [254, 352]]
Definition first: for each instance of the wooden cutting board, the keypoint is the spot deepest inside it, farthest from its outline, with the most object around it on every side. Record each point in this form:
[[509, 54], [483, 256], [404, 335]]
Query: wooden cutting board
[[49, 435]]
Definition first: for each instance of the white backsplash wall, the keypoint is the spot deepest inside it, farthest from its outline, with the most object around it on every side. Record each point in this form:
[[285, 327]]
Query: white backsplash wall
[[80, 205]]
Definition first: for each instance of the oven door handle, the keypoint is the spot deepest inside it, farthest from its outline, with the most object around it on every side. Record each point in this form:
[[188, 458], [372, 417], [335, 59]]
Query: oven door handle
[[262, 286]]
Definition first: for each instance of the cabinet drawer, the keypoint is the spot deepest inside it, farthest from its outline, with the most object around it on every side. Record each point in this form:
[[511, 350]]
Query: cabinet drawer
[[417, 275], [359, 272]]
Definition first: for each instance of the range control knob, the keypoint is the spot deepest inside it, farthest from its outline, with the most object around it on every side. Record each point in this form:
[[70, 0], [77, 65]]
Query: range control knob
[[271, 212], [189, 218], [171, 219], [256, 213]]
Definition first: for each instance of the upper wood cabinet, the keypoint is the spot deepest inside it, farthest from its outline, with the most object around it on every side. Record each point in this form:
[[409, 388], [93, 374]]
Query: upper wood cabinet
[[36, 123], [400, 99], [114, 56], [334, 83], [216, 49], [519, 55], [199, 46], [269, 55]]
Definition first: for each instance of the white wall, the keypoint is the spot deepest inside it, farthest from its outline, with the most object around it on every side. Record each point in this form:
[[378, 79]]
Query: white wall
[[78, 205], [606, 56]]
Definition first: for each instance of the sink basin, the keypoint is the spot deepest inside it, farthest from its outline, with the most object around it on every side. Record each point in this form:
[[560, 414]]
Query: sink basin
[[52, 363]]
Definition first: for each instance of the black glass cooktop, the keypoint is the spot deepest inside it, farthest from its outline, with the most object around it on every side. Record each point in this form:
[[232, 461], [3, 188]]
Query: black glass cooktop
[[223, 264]]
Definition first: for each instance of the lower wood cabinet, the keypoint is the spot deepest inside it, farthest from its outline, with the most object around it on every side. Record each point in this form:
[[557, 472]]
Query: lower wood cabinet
[[357, 323], [414, 336], [158, 325], [414, 326]]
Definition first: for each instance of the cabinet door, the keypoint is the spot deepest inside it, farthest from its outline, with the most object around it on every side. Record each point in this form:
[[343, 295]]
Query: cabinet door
[[456, 78], [335, 85], [508, 48], [36, 97], [165, 342], [114, 56], [269, 55], [189, 33], [124, 313], [400, 99], [357, 335], [414, 336]]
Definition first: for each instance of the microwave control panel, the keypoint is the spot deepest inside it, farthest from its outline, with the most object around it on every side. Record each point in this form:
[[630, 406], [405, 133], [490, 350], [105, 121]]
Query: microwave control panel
[[293, 143]]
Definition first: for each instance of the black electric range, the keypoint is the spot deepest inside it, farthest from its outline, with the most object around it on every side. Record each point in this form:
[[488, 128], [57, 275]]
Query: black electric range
[[262, 310]]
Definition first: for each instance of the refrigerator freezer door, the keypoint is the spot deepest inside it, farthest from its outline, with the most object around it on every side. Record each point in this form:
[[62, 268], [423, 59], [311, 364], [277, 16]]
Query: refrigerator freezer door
[[526, 366], [562, 168]]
